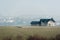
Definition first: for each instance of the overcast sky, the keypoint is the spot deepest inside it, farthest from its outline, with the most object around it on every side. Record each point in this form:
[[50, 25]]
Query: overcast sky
[[42, 8]]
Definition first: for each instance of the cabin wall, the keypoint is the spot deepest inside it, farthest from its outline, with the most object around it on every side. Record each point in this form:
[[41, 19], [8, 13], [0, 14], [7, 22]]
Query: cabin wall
[[51, 23]]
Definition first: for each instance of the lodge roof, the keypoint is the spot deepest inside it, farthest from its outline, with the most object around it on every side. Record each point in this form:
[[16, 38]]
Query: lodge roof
[[46, 20]]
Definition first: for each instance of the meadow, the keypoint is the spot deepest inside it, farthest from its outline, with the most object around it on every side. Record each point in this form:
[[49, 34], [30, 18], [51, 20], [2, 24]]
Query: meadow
[[23, 33]]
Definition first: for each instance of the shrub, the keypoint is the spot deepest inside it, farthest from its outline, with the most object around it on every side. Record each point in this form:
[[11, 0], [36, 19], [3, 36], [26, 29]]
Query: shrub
[[36, 37], [18, 26], [51, 38], [57, 37]]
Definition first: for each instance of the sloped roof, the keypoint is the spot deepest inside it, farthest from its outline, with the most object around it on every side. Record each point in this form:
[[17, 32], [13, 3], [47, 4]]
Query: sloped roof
[[46, 20], [35, 22]]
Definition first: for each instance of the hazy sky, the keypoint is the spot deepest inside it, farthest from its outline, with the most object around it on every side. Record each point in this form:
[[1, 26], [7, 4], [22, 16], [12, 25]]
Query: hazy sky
[[30, 8]]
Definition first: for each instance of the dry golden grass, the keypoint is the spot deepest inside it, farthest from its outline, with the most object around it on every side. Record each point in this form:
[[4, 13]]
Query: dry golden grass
[[25, 32]]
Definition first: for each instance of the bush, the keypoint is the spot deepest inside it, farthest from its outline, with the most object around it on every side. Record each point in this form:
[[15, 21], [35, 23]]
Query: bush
[[51, 38], [18, 26], [57, 37], [36, 37]]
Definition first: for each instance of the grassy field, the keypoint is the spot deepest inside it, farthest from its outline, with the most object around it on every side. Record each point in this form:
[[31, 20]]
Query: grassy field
[[25, 32]]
